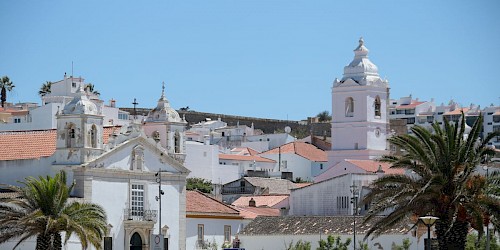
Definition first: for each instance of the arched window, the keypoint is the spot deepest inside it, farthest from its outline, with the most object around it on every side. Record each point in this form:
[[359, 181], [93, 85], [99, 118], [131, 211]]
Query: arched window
[[177, 142], [93, 136], [70, 135], [349, 107], [377, 107], [137, 158]]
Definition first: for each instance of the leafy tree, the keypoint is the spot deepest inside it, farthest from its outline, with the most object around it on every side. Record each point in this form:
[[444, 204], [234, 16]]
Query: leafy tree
[[300, 245], [44, 211], [333, 243], [89, 87], [324, 116], [405, 246], [5, 85], [45, 89], [200, 184], [472, 242], [444, 182]]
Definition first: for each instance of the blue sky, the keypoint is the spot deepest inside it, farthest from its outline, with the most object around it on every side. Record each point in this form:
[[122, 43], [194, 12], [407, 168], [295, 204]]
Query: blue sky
[[262, 58]]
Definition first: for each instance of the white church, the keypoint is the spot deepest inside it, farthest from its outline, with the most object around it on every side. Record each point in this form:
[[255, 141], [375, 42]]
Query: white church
[[118, 167]]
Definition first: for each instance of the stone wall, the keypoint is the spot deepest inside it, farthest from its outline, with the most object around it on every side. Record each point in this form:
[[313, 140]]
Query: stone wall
[[268, 126]]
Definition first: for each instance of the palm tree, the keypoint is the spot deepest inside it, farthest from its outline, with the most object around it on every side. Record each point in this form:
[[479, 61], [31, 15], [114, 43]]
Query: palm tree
[[89, 87], [324, 116], [6, 85], [43, 210], [443, 182], [45, 89]]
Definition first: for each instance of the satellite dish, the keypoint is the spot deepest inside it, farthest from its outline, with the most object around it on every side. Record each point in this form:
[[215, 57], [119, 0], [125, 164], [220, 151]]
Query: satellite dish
[[288, 130]]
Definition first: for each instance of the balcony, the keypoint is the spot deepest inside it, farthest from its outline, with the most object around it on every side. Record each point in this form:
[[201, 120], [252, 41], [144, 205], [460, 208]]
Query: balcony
[[140, 215]]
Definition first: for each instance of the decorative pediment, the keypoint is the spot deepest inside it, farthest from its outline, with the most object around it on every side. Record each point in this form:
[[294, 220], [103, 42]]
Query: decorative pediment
[[349, 82], [139, 154]]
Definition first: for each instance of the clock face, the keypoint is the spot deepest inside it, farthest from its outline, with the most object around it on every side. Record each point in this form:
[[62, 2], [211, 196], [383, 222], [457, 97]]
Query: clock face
[[377, 132]]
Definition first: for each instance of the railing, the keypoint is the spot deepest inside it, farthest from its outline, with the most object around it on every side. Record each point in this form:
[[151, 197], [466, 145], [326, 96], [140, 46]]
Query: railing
[[238, 190], [140, 215]]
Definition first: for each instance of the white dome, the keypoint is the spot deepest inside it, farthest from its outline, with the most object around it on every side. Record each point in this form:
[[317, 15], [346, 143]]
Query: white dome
[[163, 112], [361, 68], [80, 104]]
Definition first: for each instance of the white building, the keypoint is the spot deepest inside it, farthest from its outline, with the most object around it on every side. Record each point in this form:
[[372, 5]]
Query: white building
[[62, 92], [210, 221], [359, 111], [120, 175]]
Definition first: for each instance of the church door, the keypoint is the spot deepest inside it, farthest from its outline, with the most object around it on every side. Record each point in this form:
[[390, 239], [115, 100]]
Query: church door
[[136, 242]]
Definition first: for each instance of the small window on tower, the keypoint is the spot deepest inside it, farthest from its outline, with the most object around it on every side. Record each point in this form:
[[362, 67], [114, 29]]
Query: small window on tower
[[349, 107], [377, 107]]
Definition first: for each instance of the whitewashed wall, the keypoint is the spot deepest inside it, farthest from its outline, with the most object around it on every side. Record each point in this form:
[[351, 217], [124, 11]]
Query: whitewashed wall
[[214, 230]]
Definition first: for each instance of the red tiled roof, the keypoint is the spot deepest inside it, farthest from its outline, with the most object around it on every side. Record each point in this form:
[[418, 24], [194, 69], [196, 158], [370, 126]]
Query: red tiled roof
[[457, 111], [245, 158], [372, 166], [304, 184], [409, 106], [199, 203], [260, 200], [303, 149], [22, 145], [245, 151], [253, 212]]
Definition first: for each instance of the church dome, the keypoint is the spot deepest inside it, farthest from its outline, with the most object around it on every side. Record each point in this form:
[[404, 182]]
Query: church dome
[[80, 104], [163, 112], [361, 67]]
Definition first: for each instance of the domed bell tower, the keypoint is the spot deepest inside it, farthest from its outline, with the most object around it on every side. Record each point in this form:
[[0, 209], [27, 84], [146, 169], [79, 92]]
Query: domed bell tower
[[79, 131], [359, 111]]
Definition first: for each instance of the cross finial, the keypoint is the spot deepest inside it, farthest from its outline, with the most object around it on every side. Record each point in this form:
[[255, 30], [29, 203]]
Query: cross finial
[[163, 89], [361, 41], [135, 103]]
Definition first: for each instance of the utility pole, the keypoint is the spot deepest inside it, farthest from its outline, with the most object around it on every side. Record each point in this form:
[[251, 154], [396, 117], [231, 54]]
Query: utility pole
[[158, 198], [354, 201]]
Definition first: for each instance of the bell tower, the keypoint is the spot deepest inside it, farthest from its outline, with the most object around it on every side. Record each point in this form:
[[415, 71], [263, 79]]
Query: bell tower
[[166, 126], [359, 111], [79, 131]]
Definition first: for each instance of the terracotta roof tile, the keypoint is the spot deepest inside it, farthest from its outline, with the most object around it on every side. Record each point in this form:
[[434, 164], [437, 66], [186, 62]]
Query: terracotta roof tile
[[260, 200], [245, 151], [409, 106], [372, 166], [199, 203], [22, 145], [254, 212], [303, 149], [326, 225], [457, 111], [245, 158]]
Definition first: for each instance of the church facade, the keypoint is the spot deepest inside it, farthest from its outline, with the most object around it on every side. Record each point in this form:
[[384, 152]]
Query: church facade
[[122, 168]]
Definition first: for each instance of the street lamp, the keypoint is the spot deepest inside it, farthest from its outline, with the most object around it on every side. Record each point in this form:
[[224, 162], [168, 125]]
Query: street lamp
[[354, 201], [428, 221], [158, 198]]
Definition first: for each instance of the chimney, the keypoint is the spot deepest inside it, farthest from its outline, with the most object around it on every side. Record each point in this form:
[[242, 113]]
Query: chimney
[[112, 103], [251, 203]]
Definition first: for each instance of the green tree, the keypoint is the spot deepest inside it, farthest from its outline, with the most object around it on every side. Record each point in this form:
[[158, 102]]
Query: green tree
[[404, 246], [324, 116], [45, 89], [200, 184], [443, 182], [472, 242], [333, 243], [300, 245], [43, 210], [5, 85]]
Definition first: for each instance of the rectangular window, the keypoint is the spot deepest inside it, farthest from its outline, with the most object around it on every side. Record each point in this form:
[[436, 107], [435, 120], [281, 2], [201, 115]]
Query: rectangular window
[[227, 233], [410, 120], [201, 233], [430, 119], [17, 120], [400, 111], [409, 111], [496, 118], [321, 166], [137, 199]]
